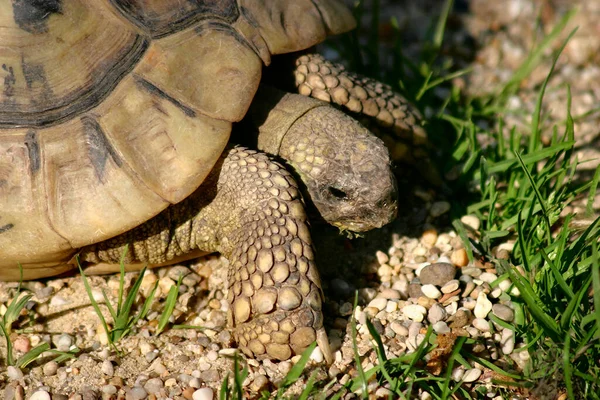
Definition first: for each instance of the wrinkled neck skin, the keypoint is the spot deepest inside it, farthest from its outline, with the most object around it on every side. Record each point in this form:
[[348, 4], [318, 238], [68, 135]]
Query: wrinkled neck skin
[[346, 169]]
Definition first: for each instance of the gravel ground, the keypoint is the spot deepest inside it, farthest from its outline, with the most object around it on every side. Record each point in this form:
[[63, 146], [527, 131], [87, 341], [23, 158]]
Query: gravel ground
[[410, 275]]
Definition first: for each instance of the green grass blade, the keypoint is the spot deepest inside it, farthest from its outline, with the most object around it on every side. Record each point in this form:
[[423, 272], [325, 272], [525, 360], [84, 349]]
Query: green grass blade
[[534, 138], [32, 355], [88, 289], [170, 303]]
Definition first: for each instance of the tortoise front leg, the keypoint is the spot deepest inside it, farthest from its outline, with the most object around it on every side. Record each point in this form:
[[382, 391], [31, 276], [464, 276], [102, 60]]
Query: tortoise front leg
[[251, 211]]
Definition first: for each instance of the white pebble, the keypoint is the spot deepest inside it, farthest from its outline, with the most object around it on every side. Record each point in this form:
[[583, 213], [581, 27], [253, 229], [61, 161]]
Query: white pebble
[[415, 312], [450, 287], [436, 313], [379, 303], [507, 341], [505, 285], [64, 341], [431, 291], [382, 258], [497, 292], [317, 355], [458, 373], [441, 327], [57, 301], [451, 308], [483, 306], [40, 395], [482, 324], [472, 375], [14, 373], [391, 306], [212, 355], [488, 277], [203, 394], [399, 329], [471, 221], [107, 368]]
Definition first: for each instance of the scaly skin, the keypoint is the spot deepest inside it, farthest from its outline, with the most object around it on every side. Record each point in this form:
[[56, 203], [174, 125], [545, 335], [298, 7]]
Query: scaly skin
[[249, 210], [376, 105]]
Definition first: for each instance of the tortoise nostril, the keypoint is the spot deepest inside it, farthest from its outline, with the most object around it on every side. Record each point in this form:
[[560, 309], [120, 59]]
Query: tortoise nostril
[[335, 192]]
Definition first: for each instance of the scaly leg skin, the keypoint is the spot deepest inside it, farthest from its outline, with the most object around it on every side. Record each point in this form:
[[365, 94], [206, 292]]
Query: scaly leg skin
[[321, 79], [250, 210]]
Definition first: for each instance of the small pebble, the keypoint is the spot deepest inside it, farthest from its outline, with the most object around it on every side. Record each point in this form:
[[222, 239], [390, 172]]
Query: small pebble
[[437, 274], [414, 312], [64, 342], [488, 277], [436, 313], [390, 294], [50, 368], [382, 258], [429, 237], [107, 368], [58, 301], [138, 393], [196, 383], [450, 286], [458, 373], [431, 291], [14, 373], [483, 306], [109, 389], [259, 383], [503, 312], [153, 385], [40, 395], [471, 221], [471, 375], [459, 257], [379, 303], [441, 327], [399, 329], [507, 341], [22, 344], [482, 324], [317, 355], [391, 306]]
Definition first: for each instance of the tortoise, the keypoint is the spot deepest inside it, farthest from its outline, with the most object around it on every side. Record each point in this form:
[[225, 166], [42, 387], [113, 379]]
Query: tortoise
[[115, 124]]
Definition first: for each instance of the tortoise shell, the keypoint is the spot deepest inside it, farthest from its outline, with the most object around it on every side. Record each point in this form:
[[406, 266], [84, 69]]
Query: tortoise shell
[[111, 110]]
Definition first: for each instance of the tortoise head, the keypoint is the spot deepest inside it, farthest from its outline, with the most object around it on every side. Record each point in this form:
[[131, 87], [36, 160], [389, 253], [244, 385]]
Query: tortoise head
[[345, 168]]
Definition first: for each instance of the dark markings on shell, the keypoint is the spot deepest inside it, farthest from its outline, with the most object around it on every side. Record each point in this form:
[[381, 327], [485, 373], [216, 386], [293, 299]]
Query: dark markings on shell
[[32, 15], [224, 28], [155, 91], [33, 149], [6, 227], [9, 82], [35, 77], [164, 17], [61, 108], [99, 148]]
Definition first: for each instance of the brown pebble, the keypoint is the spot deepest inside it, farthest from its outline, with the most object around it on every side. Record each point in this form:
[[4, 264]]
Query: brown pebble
[[426, 302], [22, 344], [188, 392], [429, 237], [437, 274], [459, 258], [446, 296]]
